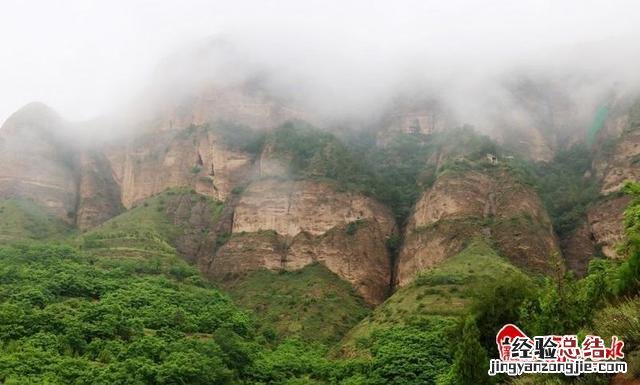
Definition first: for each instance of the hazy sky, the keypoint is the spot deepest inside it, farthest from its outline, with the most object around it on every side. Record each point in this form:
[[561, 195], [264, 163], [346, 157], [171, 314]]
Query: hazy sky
[[84, 58]]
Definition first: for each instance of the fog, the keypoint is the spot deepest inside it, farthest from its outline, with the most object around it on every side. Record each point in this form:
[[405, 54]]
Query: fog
[[91, 58]]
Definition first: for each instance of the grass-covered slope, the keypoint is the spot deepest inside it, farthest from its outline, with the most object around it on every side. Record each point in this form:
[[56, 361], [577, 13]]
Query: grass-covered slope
[[445, 292], [176, 220], [22, 219], [312, 303]]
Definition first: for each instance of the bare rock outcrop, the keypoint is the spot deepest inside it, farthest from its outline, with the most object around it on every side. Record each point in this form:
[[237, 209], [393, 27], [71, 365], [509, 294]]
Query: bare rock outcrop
[[36, 163], [486, 203], [287, 225], [617, 160], [606, 223], [239, 103], [291, 207], [98, 193], [578, 249], [620, 162], [600, 234], [192, 157]]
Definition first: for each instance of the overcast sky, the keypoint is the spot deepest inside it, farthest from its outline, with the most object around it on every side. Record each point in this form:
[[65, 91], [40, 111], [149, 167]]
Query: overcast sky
[[84, 58]]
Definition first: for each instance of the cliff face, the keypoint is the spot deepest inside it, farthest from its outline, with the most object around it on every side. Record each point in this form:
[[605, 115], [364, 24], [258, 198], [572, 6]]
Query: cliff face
[[288, 225], [241, 103], [417, 115], [463, 205], [291, 207], [601, 232], [605, 220], [193, 157], [35, 162], [617, 159], [538, 114], [98, 193]]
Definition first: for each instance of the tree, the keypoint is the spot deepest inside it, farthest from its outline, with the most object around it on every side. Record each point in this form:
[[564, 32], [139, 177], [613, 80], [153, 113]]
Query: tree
[[471, 363]]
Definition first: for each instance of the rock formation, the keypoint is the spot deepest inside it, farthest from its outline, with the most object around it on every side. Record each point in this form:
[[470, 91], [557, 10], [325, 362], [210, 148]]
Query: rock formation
[[36, 164], [478, 203], [286, 225], [192, 157]]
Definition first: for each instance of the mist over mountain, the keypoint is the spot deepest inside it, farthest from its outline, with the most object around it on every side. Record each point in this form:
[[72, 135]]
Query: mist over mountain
[[314, 193]]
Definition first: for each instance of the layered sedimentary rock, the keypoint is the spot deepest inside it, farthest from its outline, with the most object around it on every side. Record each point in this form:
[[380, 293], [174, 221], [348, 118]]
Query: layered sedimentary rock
[[463, 205], [36, 164], [290, 207], [286, 225], [192, 157]]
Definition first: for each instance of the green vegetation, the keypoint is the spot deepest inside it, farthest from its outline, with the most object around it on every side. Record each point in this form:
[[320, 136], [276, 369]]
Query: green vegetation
[[564, 189], [604, 303], [22, 219], [471, 362], [396, 173], [447, 291], [405, 165], [69, 319], [596, 125], [234, 136], [352, 227], [315, 154], [312, 304], [152, 228], [124, 308], [238, 137], [439, 300]]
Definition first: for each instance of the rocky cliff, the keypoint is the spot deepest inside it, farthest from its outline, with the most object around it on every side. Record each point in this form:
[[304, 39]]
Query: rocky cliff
[[193, 157], [242, 103], [287, 225], [99, 196], [617, 159], [618, 147], [488, 203], [36, 163]]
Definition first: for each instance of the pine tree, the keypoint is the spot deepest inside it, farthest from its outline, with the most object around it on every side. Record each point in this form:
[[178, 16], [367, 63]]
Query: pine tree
[[471, 363]]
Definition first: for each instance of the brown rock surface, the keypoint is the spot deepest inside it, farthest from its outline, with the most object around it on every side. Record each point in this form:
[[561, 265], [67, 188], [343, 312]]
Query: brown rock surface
[[246, 252], [98, 194], [602, 231], [191, 157], [605, 220], [200, 225], [359, 257], [35, 162], [617, 146], [463, 205], [280, 224], [238, 103], [291, 207], [578, 249], [622, 164]]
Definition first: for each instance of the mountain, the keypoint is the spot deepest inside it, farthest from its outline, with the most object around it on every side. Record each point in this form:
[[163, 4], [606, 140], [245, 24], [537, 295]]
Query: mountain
[[303, 250]]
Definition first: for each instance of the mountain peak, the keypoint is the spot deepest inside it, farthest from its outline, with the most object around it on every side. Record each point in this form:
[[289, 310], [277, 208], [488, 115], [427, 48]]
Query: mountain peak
[[34, 115]]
